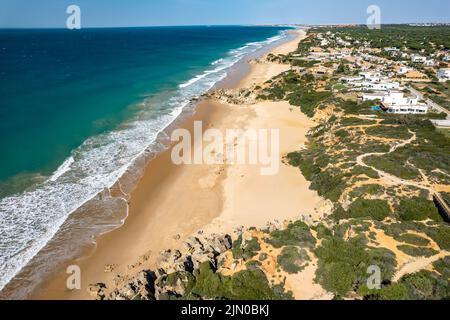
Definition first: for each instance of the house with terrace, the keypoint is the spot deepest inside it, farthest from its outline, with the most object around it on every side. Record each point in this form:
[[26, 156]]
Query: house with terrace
[[396, 102]]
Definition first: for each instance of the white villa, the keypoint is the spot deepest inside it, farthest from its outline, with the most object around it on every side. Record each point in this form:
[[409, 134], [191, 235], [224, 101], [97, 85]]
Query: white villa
[[376, 96], [381, 86], [418, 59], [373, 81], [372, 76], [396, 102], [430, 63]]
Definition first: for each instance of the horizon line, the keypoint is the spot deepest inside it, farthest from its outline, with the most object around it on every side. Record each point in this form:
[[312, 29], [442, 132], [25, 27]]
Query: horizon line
[[226, 25]]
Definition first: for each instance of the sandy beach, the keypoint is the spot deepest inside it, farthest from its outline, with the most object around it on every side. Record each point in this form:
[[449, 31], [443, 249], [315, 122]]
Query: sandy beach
[[171, 202]]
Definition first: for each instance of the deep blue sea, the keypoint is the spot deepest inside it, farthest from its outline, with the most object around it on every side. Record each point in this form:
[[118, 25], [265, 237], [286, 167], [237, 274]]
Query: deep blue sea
[[78, 107]]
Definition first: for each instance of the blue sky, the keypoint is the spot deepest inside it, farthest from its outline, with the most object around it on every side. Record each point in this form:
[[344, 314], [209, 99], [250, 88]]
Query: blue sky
[[121, 13]]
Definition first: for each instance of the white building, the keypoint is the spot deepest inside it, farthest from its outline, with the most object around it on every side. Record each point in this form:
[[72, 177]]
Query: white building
[[373, 96], [444, 74], [372, 76], [404, 55], [418, 59], [430, 63], [381, 86], [373, 81], [396, 102], [351, 79], [324, 43], [406, 109]]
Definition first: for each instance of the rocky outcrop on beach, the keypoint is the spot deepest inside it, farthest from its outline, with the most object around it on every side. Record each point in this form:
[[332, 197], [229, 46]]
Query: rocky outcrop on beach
[[267, 263], [189, 271], [149, 285], [235, 96], [140, 287], [195, 251]]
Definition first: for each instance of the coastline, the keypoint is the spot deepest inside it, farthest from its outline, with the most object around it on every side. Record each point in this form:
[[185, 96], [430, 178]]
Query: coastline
[[161, 214]]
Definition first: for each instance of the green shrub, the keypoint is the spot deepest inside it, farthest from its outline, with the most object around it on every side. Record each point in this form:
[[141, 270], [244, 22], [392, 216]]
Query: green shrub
[[440, 234], [247, 250], [394, 164], [186, 279], [413, 239], [417, 209], [400, 133], [253, 265], [323, 232], [426, 285], [443, 267], [369, 189], [244, 285], [329, 184], [417, 251], [375, 209], [395, 292], [336, 277], [360, 170], [305, 163], [292, 259], [353, 121], [296, 234], [307, 99], [343, 264]]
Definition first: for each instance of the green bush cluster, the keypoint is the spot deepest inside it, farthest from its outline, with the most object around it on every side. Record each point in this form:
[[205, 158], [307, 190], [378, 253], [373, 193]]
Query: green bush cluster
[[443, 267], [343, 265], [389, 132], [296, 234], [417, 251], [308, 99], [394, 163], [353, 121], [417, 209], [245, 250], [244, 285], [363, 208], [293, 259], [424, 285], [413, 239]]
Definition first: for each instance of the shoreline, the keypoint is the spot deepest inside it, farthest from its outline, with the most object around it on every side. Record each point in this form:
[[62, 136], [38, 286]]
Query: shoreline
[[158, 221]]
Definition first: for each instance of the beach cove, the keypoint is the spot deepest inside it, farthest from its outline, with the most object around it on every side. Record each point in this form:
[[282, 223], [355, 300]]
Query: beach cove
[[170, 203]]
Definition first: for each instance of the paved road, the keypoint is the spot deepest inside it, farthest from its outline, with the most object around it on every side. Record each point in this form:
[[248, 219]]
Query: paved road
[[430, 103]]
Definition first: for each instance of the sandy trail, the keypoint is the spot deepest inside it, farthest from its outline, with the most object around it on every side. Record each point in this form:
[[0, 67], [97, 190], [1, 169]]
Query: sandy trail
[[391, 179], [417, 265]]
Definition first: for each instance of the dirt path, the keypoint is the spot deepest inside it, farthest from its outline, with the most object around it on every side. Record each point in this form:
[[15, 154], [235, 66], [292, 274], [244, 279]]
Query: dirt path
[[417, 265], [391, 178]]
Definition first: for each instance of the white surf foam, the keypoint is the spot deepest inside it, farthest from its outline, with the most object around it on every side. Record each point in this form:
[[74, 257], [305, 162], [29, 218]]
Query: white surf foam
[[62, 169]]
